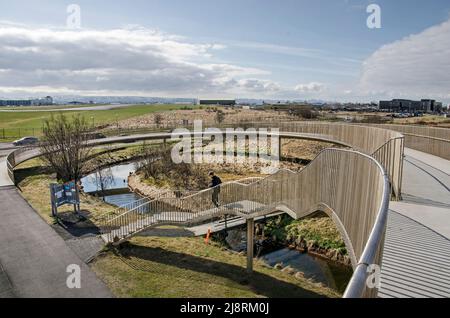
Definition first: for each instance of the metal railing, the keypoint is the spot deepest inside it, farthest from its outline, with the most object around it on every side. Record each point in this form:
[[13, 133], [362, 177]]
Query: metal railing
[[352, 187], [385, 145], [432, 140]]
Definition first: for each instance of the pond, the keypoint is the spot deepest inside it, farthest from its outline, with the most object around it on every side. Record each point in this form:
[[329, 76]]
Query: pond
[[111, 184], [331, 274]]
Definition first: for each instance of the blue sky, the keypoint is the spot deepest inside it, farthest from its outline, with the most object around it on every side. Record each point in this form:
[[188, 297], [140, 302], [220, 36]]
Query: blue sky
[[284, 49]]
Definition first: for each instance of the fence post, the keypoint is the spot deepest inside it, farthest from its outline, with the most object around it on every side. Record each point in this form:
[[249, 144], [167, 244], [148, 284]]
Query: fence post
[[250, 242]]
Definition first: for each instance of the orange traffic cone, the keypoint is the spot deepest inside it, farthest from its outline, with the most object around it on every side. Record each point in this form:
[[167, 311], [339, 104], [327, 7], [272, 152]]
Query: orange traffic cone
[[208, 235]]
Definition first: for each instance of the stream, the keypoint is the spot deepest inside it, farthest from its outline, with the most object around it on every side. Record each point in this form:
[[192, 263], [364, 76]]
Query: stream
[[320, 270]]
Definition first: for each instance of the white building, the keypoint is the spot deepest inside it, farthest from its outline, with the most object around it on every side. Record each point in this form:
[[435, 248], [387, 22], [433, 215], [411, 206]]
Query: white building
[[48, 100]]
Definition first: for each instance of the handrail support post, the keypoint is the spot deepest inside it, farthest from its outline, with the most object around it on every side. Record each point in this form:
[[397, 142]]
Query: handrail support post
[[250, 243]]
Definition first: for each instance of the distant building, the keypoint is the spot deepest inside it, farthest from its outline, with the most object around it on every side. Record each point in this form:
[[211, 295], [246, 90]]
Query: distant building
[[411, 106], [48, 100], [222, 102]]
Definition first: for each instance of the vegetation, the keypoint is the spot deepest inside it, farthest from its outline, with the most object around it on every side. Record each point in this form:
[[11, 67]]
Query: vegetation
[[164, 172], [373, 120], [34, 176], [305, 112], [319, 231], [65, 146], [31, 123], [188, 268], [33, 180], [426, 120], [158, 120], [220, 116]]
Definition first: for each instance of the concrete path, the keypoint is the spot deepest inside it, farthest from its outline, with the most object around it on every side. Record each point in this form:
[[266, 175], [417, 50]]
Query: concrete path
[[4, 177], [416, 258], [34, 258]]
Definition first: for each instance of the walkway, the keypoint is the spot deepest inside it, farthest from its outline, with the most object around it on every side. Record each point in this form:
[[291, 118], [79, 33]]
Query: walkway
[[34, 258], [4, 177], [416, 259]]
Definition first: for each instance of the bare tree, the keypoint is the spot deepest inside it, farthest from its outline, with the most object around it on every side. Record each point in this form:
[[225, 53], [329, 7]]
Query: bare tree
[[159, 166], [220, 116], [158, 120], [305, 112], [65, 146]]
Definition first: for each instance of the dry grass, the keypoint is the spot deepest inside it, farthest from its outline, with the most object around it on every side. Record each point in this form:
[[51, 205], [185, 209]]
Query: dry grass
[[207, 116], [188, 268], [304, 149], [428, 120]]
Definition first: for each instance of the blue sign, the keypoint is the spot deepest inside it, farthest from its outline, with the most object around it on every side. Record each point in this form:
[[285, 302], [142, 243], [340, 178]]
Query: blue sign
[[62, 194]]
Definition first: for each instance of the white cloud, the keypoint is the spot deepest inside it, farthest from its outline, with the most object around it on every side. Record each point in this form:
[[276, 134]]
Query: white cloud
[[416, 66], [312, 87], [132, 60]]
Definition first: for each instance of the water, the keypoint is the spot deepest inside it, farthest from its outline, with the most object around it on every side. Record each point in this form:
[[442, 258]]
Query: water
[[113, 178], [332, 275], [121, 199]]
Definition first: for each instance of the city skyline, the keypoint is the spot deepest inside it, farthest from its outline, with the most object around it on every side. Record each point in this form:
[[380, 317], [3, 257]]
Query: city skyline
[[300, 50]]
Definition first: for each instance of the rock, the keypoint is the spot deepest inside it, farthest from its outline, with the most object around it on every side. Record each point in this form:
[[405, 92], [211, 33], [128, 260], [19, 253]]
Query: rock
[[311, 245], [346, 260], [289, 270], [299, 275], [278, 266]]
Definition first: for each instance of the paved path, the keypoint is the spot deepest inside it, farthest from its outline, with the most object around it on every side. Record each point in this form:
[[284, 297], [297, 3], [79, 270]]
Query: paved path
[[34, 258], [4, 177], [416, 259]]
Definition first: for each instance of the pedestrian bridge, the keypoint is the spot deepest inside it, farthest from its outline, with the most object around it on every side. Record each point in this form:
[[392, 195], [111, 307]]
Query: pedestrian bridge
[[352, 186]]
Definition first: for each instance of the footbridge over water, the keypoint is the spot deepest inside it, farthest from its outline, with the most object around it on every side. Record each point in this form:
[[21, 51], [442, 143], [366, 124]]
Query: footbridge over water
[[352, 186]]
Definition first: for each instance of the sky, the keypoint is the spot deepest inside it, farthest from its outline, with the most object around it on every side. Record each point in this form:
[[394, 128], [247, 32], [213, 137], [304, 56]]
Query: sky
[[265, 49]]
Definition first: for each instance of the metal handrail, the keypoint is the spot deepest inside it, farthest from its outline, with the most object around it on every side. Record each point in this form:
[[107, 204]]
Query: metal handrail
[[282, 196]]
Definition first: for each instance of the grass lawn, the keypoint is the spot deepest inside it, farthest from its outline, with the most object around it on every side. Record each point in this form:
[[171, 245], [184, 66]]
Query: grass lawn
[[27, 121], [188, 268], [34, 179]]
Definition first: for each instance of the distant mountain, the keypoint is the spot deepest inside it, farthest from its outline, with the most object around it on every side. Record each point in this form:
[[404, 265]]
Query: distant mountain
[[120, 100]]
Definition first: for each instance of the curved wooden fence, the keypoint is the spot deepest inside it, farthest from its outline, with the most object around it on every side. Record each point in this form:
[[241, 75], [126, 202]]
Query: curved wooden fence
[[385, 145], [349, 186], [432, 140]]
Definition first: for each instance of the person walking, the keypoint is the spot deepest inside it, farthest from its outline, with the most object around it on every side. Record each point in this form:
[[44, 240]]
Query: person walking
[[215, 185]]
